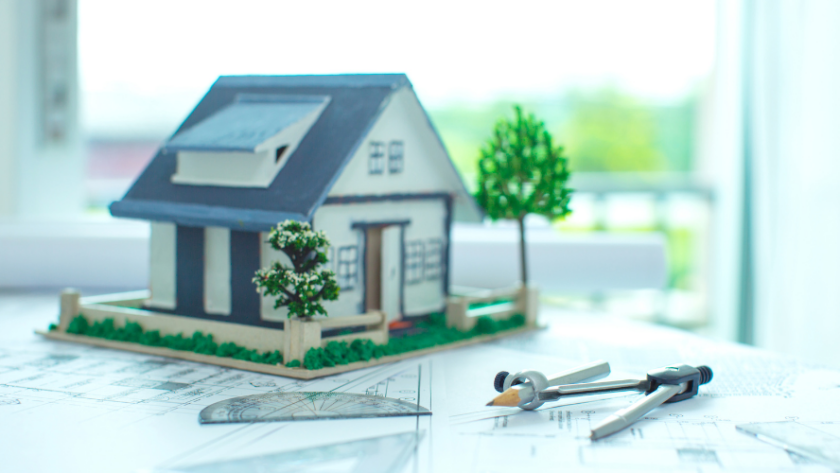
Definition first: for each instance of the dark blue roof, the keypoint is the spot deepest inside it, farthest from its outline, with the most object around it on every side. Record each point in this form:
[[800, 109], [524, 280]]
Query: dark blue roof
[[304, 181], [246, 123]]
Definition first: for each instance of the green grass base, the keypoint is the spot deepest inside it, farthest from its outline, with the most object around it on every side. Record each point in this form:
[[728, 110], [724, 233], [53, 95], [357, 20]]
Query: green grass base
[[432, 332], [197, 343]]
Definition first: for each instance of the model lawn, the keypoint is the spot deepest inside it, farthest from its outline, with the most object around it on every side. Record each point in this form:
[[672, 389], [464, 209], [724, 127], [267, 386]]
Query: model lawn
[[427, 334], [357, 272], [101, 321]]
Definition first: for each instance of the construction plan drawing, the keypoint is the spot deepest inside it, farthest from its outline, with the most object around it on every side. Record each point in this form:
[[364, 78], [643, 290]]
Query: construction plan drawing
[[86, 393], [99, 410]]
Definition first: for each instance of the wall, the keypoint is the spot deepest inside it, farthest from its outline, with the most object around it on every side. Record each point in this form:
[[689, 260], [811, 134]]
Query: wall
[[41, 163], [796, 170], [8, 106], [427, 167], [116, 255], [427, 222]]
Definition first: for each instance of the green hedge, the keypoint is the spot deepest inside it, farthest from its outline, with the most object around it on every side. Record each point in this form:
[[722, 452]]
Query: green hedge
[[433, 332], [197, 343]]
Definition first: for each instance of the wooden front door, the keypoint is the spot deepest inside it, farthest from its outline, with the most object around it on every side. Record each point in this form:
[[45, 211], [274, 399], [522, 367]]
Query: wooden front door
[[373, 269], [383, 270]]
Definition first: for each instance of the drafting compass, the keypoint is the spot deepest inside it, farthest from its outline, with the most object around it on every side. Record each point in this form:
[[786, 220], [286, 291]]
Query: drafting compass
[[669, 384]]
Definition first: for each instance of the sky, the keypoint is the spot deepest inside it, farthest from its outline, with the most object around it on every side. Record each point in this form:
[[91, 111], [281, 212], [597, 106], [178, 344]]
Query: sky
[[144, 65]]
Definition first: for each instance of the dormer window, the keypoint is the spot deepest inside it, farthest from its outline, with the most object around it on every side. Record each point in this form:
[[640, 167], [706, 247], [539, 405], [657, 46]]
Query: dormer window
[[246, 143], [395, 157], [278, 155], [376, 163]]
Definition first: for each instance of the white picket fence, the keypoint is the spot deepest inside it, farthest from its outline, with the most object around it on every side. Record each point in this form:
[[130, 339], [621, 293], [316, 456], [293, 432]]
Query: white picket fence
[[516, 300], [298, 335], [301, 335]]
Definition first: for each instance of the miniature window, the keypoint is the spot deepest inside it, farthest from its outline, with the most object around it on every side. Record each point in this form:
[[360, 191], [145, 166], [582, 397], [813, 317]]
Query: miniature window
[[348, 266], [413, 262], [376, 165], [278, 155], [395, 157], [433, 257]]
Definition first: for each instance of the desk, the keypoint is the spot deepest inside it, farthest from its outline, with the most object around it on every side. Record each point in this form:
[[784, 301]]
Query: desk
[[73, 408]]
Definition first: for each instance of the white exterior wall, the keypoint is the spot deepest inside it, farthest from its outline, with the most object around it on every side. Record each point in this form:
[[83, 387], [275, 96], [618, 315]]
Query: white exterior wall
[[244, 169], [426, 166], [227, 169], [426, 169], [162, 246], [427, 222], [217, 266]]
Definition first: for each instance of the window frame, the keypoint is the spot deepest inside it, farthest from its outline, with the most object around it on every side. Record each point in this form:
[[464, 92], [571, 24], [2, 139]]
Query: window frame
[[347, 279], [396, 160], [414, 261], [376, 158], [433, 267]]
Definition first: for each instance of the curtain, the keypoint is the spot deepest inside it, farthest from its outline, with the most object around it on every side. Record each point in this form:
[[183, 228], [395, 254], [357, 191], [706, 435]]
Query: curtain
[[792, 131]]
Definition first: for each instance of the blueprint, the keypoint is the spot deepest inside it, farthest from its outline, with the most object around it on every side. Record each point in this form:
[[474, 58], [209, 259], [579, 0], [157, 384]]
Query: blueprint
[[107, 410], [696, 435], [67, 407]]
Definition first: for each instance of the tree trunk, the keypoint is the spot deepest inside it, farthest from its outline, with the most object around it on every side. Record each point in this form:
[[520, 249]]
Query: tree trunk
[[523, 258]]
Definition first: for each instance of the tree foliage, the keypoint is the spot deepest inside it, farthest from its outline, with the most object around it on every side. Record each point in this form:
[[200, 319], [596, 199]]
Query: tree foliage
[[300, 287], [608, 131], [521, 171]]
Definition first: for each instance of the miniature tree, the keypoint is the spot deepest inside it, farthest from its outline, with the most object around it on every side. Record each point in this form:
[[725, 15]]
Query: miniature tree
[[520, 171], [301, 287]]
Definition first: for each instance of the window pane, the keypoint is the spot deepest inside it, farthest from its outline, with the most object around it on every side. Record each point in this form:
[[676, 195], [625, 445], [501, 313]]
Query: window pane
[[413, 262], [376, 164], [395, 157], [433, 257], [348, 266]]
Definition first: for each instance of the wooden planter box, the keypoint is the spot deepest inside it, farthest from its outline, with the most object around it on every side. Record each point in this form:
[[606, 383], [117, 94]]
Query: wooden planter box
[[297, 337]]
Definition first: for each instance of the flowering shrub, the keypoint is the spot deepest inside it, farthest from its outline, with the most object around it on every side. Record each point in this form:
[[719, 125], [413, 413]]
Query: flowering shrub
[[301, 287]]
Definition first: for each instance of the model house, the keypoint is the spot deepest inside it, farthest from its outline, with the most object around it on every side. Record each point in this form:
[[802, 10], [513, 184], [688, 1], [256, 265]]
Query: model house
[[355, 155]]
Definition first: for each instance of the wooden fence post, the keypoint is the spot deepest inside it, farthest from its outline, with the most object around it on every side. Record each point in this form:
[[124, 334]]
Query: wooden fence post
[[382, 327], [456, 313], [291, 329], [301, 335], [531, 304], [69, 308], [310, 337]]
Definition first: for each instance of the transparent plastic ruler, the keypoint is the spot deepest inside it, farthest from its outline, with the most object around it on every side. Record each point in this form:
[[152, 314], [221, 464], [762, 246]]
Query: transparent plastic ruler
[[797, 438], [292, 406]]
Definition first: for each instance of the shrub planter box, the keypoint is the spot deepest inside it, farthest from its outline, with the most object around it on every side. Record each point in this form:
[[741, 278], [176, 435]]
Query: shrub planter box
[[299, 350]]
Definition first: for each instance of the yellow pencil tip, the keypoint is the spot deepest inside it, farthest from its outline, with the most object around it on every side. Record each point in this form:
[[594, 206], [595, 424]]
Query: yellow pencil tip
[[489, 403], [509, 398]]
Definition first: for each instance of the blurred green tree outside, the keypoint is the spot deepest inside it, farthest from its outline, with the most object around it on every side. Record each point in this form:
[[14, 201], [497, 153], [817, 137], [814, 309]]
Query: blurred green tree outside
[[607, 131], [603, 130]]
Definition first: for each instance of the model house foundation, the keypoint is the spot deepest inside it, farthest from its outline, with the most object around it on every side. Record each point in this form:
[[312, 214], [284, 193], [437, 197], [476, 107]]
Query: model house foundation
[[355, 155]]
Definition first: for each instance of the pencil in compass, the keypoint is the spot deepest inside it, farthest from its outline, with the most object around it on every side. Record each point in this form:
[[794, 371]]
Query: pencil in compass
[[524, 393]]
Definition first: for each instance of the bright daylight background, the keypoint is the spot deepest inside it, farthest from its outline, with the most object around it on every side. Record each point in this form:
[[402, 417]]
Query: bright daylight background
[[678, 117], [620, 84]]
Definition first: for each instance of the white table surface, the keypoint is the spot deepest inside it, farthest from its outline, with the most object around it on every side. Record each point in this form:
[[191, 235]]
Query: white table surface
[[749, 385]]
